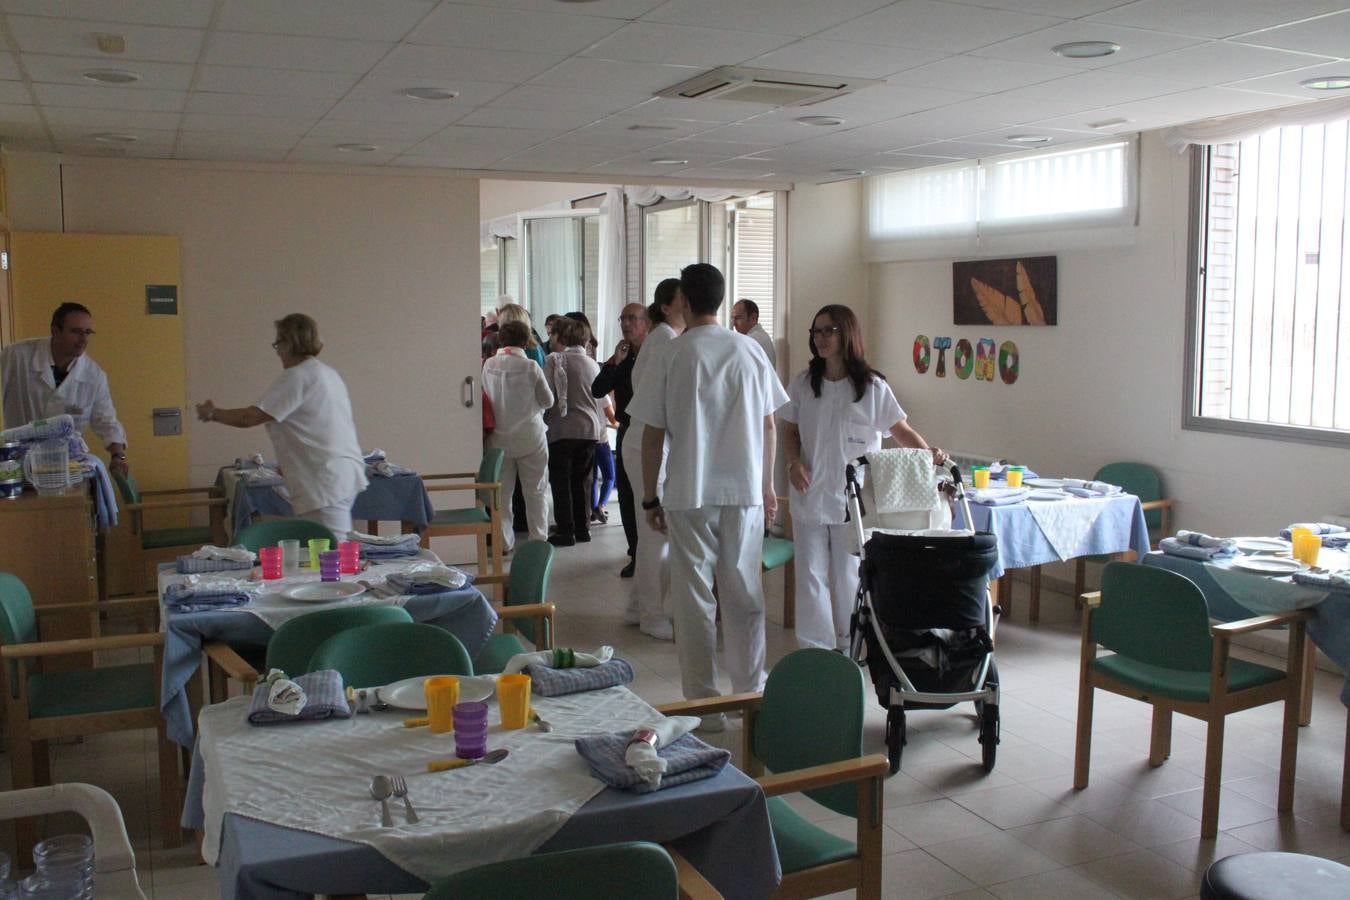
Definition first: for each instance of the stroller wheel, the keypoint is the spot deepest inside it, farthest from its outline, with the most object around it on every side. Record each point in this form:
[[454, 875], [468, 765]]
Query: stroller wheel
[[895, 736], [989, 735]]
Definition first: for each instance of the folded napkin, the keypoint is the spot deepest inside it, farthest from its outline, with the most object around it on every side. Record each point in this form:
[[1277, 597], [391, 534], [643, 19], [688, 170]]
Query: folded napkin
[[1334, 536], [1001, 496], [1226, 549], [233, 554], [1080, 488], [377, 463], [427, 578], [191, 565], [391, 546], [558, 659], [197, 594], [902, 480], [644, 758], [686, 759], [1331, 581], [1200, 539], [320, 696], [998, 468], [261, 477], [253, 462], [547, 681], [54, 428]]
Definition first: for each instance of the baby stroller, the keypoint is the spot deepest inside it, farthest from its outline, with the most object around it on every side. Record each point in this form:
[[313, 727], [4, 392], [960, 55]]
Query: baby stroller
[[923, 623]]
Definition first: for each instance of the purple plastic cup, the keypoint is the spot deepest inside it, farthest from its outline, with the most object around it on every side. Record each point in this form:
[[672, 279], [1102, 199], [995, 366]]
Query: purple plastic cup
[[471, 727], [330, 566]]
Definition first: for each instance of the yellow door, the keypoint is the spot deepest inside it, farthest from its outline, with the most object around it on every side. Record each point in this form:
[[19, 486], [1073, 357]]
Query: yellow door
[[142, 354]]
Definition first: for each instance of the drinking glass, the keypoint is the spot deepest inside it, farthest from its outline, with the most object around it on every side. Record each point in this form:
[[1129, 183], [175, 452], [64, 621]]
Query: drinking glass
[[316, 546], [290, 556], [349, 554], [980, 475], [513, 694], [1014, 476], [330, 566], [270, 557], [442, 696], [1307, 547], [471, 725]]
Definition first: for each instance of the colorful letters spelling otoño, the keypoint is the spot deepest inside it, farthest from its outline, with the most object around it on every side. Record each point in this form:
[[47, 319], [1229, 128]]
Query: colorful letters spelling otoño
[[967, 359]]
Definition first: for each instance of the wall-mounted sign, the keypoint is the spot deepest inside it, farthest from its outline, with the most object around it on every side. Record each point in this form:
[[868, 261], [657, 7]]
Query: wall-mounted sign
[[968, 358], [1005, 291], [161, 299]]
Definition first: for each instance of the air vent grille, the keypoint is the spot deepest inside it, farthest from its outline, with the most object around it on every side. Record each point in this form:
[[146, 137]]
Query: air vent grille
[[767, 87]]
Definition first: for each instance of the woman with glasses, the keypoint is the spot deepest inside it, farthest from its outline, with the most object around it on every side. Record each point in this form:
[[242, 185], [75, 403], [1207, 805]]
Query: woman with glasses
[[308, 415], [837, 410]]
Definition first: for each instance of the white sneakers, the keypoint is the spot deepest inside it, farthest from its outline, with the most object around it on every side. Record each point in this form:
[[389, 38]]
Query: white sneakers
[[660, 629]]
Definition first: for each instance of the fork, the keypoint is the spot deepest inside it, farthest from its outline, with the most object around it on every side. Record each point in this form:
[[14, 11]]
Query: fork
[[401, 792]]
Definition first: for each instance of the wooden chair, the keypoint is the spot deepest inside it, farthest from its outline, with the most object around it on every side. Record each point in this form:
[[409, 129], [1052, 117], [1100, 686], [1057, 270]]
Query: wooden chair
[[525, 611], [44, 706], [392, 651], [825, 762], [144, 548], [482, 520], [268, 533], [1167, 654], [778, 553]]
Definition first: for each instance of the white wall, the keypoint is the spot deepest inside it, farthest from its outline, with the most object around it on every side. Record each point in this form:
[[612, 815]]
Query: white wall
[[825, 263], [502, 198], [1105, 383]]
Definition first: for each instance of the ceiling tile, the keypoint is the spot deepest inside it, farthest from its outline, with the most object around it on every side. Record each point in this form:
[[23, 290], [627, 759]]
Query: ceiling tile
[[1287, 83], [15, 92], [1215, 63], [873, 104], [126, 151], [175, 13], [102, 119], [390, 89], [9, 69], [465, 161], [490, 28], [283, 82], [504, 139], [1057, 136], [201, 140], [1215, 18], [937, 26], [703, 149], [796, 17], [670, 129], [294, 126], [1192, 106], [1100, 87], [613, 9], [17, 114], [586, 74], [767, 133], [256, 105], [1329, 36], [961, 149], [1135, 43], [103, 97], [598, 101], [656, 109], [465, 63], [71, 69], [686, 45], [397, 109], [847, 58], [1067, 9], [374, 20], [327, 153], [338, 131], [234, 154], [75, 37], [277, 51], [978, 75], [548, 119]]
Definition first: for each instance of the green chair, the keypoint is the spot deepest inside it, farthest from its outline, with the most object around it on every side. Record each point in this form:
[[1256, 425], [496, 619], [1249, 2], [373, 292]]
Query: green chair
[[778, 551], [824, 761], [389, 652], [145, 548], [526, 611], [1167, 654], [636, 870], [46, 705], [266, 534], [483, 519]]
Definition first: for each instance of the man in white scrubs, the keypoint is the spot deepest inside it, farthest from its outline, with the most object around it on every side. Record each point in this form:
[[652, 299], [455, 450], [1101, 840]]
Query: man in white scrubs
[[308, 415], [713, 392], [45, 377], [745, 319]]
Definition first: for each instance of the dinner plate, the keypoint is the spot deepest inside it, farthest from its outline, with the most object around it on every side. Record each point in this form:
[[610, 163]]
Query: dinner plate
[[1047, 495], [1263, 545], [1268, 565], [1052, 484], [322, 591], [409, 693]]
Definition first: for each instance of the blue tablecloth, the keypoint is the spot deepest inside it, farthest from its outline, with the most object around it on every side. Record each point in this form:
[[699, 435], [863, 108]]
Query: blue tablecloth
[[402, 498], [1120, 527]]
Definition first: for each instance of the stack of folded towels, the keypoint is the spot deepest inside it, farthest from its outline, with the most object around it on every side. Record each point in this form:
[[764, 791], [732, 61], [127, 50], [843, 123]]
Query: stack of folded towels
[[1331, 581], [317, 695], [1195, 545], [197, 594], [377, 463], [427, 578], [997, 496], [1080, 488], [56, 428], [1333, 536], [392, 546], [215, 559], [660, 755], [565, 671]]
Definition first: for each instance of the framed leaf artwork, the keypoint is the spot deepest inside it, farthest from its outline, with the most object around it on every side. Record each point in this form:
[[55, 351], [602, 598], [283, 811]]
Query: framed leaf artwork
[[1005, 291]]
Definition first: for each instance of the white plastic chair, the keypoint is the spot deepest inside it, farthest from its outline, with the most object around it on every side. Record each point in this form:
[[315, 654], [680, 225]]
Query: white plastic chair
[[114, 861]]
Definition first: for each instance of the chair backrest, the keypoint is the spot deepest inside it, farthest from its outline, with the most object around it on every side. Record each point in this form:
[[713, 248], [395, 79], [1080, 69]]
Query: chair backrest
[[1140, 479], [126, 486], [530, 567], [1153, 616], [490, 472], [393, 651], [812, 714], [18, 622], [266, 534], [635, 869], [292, 645]]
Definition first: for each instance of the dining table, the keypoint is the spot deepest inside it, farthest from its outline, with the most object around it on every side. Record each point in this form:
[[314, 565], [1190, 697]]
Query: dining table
[[401, 497], [464, 612], [286, 813]]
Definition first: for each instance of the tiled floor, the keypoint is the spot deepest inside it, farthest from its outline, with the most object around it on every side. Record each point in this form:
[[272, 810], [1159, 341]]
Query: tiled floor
[[952, 830]]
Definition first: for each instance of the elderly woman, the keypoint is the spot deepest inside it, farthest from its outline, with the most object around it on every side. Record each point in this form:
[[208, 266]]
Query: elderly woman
[[309, 419], [575, 422]]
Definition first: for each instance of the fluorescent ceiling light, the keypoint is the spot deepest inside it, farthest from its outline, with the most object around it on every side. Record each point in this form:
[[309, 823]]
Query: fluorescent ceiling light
[[848, 173], [1029, 138], [356, 148], [1108, 123], [664, 161], [1085, 49], [1327, 83], [430, 93], [111, 76], [115, 137], [821, 120]]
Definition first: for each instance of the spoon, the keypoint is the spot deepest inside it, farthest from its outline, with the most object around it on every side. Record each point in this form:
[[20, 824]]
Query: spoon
[[441, 765], [382, 790]]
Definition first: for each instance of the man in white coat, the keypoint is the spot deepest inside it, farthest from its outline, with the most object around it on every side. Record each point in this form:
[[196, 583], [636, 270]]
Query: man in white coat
[[52, 376], [713, 392], [745, 319]]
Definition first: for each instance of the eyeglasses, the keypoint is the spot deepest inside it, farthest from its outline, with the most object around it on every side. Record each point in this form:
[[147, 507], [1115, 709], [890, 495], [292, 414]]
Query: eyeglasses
[[276, 344], [823, 331], [82, 332]]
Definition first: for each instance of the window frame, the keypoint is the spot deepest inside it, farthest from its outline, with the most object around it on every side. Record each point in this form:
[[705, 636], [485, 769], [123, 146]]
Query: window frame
[[578, 215], [1192, 420]]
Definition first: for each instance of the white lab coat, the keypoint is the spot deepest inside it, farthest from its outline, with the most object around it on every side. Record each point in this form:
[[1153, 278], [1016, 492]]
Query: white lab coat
[[765, 342], [31, 392]]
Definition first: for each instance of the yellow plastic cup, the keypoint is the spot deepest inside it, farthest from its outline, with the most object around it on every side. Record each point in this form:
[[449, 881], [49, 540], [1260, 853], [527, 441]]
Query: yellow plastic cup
[[442, 694], [317, 546], [1295, 532], [1014, 476], [980, 474], [513, 695], [1307, 547]]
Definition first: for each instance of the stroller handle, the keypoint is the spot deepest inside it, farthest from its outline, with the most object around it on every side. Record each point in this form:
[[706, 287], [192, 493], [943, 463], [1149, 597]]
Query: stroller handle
[[859, 462], [851, 490]]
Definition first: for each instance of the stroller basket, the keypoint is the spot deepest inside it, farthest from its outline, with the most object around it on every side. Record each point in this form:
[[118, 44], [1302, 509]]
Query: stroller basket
[[929, 582]]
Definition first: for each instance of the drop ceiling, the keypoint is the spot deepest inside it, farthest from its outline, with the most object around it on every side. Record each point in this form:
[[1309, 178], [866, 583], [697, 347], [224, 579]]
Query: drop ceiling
[[567, 87]]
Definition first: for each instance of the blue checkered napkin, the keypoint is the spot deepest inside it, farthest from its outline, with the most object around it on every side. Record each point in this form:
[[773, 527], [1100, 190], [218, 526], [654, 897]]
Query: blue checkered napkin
[[191, 565], [324, 699], [1180, 547], [550, 682], [184, 598], [409, 546], [1331, 581], [687, 759], [1333, 536]]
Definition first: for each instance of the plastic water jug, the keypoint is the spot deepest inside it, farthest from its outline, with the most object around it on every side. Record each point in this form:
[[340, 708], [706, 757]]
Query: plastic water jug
[[47, 466]]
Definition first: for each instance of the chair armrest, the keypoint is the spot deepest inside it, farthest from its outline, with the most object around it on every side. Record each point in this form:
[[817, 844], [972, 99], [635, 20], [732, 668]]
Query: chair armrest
[[874, 766], [1259, 623], [1164, 503], [526, 611], [166, 493], [81, 645], [451, 475], [472, 486], [177, 504], [230, 662], [1091, 600], [127, 604], [693, 886], [492, 579], [729, 703]]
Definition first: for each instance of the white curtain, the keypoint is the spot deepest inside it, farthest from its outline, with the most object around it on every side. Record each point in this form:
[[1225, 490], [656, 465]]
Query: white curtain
[[503, 226], [1227, 129], [613, 273], [647, 194], [553, 277]]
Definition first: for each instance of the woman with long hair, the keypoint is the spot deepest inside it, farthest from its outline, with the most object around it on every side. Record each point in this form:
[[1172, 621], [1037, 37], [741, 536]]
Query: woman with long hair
[[838, 409]]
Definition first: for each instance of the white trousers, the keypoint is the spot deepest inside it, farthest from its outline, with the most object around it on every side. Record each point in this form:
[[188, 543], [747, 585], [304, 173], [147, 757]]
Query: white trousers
[[651, 567], [337, 519], [532, 470], [726, 541], [827, 583]]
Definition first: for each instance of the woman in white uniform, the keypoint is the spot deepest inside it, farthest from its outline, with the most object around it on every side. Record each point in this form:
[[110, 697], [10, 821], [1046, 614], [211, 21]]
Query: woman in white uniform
[[837, 410], [648, 603], [308, 415]]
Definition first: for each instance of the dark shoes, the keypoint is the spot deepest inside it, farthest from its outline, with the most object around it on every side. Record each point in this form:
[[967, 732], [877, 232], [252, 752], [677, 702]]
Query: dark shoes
[[599, 517], [583, 537], [627, 571], [560, 540]]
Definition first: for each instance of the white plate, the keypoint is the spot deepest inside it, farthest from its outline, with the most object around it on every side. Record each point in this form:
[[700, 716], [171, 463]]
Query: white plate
[[1268, 565], [1052, 484], [409, 693], [1047, 495], [322, 591], [1263, 545]]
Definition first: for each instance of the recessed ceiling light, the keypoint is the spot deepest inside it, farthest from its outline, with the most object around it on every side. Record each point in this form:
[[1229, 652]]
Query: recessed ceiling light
[[110, 43], [111, 76], [430, 93], [651, 127], [1327, 83], [664, 161], [115, 137], [1029, 138], [848, 173], [1108, 123], [821, 120], [1085, 49], [356, 148]]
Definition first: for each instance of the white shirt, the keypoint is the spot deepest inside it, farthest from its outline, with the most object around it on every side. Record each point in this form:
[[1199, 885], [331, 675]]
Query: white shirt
[[762, 338], [710, 388], [519, 393], [659, 335], [834, 429], [31, 392], [315, 436]]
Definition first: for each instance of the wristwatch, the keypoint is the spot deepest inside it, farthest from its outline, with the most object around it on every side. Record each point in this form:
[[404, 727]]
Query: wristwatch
[[651, 504]]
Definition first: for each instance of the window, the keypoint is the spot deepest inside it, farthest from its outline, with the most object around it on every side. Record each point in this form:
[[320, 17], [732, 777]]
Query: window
[[489, 277], [562, 265], [671, 235], [1271, 297], [749, 256]]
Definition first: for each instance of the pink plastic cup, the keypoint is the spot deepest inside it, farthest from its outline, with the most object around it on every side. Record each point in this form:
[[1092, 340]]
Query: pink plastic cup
[[270, 557], [349, 556]]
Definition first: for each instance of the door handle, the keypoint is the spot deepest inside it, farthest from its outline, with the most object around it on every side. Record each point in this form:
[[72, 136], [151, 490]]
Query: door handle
[[466, 391]]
